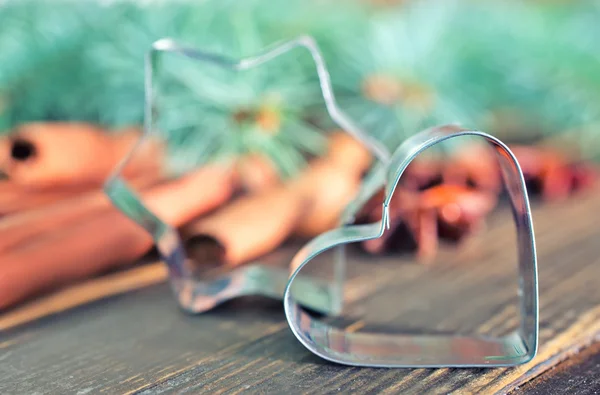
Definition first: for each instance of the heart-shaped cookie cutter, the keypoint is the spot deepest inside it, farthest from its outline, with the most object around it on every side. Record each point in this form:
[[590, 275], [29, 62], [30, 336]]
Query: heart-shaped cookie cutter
[[399, 350], [299, 292]]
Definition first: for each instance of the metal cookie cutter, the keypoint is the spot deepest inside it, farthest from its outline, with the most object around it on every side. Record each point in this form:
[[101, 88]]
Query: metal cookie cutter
[[298, 292], [200, 295], [398, 350]]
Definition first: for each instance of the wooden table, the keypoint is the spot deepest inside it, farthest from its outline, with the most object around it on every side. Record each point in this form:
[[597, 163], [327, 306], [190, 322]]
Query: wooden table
[[123, 333]]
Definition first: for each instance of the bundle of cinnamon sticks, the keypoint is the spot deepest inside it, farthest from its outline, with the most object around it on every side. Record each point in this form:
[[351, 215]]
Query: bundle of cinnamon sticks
[[58, 227]]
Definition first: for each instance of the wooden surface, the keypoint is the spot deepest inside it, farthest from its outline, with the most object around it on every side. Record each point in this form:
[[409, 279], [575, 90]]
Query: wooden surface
[[578, 375], [138, 341]]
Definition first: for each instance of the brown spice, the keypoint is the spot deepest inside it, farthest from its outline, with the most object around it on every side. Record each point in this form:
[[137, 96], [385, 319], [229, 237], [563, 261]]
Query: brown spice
[[105, 240], [446, 212], [388, 90], [256, 172], [246, 228], [269, 120], [44, 155]]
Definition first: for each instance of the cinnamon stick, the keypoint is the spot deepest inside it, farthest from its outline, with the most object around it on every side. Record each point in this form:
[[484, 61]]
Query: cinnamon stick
[[256, 173], [42, 155], [330, 183], [21, 226], [348, 153], [328, 188], [258, 223], [106, 240], [246, 228], [13, 198]]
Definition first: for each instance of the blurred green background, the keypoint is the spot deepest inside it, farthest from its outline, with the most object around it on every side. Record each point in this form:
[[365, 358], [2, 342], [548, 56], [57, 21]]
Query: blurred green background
[[521, 70]]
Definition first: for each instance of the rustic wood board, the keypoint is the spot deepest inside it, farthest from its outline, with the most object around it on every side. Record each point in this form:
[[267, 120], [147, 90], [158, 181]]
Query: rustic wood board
[[578, 375], [140, 342]]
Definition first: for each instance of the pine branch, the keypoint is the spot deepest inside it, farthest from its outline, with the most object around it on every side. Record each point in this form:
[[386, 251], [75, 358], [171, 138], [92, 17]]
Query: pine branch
[[395, 69]]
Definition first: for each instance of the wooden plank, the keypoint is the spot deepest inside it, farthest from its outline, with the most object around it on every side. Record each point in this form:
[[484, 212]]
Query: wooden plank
[[130, 339], [569, 320], [84, 293], [578, 375], [140, 342], [272, 363]]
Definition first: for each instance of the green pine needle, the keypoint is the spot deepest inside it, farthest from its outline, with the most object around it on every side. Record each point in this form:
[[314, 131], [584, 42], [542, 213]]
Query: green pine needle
[[452, 61]]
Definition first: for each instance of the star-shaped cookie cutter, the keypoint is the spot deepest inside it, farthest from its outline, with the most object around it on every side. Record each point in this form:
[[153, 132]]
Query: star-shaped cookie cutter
[[298, 291]]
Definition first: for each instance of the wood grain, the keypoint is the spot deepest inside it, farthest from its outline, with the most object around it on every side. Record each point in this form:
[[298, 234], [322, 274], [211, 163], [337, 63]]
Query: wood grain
[[578, 375], [140, 342], [86, 292]]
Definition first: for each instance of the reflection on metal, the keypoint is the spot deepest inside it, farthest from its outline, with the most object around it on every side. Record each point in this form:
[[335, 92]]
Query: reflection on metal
[[298, 291], [364, 349]]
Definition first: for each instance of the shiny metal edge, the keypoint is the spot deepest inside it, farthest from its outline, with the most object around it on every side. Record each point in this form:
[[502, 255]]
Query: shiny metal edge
[[200, 295], [377, 350]]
